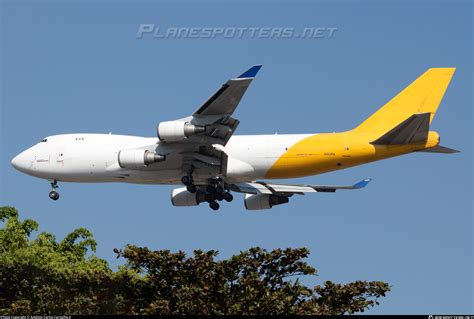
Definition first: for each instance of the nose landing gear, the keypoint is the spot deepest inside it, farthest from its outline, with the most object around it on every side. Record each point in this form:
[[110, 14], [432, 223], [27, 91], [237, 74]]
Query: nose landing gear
[[54, 195]]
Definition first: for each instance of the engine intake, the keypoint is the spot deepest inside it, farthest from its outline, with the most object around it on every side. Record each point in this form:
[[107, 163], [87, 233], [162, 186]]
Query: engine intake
[[173, 131], [263, 201], [182, 197], [135, 159]]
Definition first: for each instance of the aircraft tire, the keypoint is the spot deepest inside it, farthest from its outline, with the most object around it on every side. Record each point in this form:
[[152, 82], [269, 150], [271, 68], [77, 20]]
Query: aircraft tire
[[54, 195], [214, 205]]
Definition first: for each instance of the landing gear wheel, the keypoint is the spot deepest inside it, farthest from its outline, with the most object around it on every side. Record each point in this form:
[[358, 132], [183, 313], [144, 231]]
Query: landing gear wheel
[[191, 188], [54, 195], [214, 205], [211, 189], [187, 180], [228, 197]]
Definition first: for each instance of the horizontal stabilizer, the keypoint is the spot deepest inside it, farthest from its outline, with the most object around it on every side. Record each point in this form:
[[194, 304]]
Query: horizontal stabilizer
[[440, 149], [413, 130]]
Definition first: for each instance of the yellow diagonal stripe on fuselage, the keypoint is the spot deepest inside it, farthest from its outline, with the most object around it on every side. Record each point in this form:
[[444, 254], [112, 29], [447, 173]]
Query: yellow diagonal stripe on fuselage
[[321, 153]]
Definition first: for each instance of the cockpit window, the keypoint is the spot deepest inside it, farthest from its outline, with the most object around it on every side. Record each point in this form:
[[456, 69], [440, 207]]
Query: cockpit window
[[44, 140]]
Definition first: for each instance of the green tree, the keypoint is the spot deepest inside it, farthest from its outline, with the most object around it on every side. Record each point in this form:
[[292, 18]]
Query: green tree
[[44, 276]]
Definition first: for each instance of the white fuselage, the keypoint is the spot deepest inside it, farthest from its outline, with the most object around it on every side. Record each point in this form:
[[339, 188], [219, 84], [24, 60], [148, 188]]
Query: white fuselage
[[93, 158]]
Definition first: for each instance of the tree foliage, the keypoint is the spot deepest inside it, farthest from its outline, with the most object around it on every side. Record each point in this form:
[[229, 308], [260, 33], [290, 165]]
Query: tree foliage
[[43, 276]]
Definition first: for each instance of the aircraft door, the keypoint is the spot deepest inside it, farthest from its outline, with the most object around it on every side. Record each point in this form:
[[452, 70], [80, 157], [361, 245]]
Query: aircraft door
[[42, 156]]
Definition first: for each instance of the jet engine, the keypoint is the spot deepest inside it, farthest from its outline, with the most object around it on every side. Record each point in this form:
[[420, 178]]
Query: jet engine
[[135, 159], [173, 131], [263, 201], [182, 197]]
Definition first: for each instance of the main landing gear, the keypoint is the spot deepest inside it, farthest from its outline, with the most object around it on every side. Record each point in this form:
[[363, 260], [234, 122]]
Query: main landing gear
[[187, 180], [54, 195], [214, 205], [215, 191]]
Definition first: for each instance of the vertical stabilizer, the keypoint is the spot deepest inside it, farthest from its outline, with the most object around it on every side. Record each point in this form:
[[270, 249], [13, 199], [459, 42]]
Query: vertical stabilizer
[[421, 96]]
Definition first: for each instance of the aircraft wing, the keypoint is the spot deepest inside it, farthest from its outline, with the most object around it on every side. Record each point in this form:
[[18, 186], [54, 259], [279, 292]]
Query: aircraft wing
[[259, 187], [212, 123], [228, 96]]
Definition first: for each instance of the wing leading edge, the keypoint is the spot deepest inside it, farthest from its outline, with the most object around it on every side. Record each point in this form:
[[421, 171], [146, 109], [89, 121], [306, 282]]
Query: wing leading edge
[[259, 187], [228, 96], [197, 152]]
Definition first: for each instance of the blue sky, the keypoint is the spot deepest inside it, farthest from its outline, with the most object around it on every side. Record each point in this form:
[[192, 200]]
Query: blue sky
[[78, 67]]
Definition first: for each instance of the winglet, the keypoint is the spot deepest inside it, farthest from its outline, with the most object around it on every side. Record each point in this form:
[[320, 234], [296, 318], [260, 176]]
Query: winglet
[[250, 73], [362, 183]]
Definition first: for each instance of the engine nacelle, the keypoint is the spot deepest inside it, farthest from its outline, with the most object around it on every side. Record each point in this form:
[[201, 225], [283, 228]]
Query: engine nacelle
[[173, 131], [135, 159], [181, 197], [263, 201]]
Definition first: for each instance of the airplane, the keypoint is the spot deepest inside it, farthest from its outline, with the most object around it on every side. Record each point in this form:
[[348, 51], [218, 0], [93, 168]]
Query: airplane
[[201, 153]]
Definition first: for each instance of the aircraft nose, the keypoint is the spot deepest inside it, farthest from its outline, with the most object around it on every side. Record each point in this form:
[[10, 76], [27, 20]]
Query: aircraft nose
[[21, 162]]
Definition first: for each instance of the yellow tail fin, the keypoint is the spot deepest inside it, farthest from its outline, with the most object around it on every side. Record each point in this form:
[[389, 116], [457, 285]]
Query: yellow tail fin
[[421, 96]]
